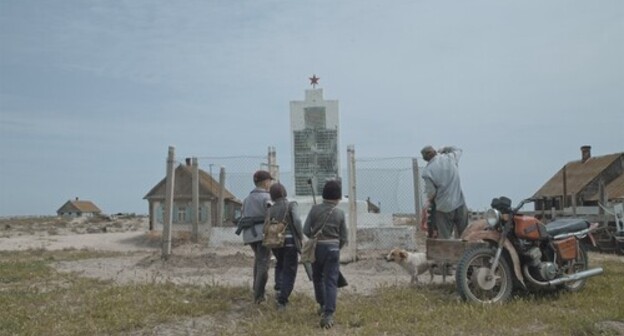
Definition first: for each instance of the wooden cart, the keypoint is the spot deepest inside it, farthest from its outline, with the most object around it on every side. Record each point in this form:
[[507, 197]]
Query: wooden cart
[[446, 253]]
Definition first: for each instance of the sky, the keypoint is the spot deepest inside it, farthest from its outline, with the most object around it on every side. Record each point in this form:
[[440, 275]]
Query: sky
[[92, 93]]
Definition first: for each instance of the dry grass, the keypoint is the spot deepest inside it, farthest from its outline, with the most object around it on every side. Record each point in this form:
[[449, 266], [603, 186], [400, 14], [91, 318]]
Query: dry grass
[[37, 300]]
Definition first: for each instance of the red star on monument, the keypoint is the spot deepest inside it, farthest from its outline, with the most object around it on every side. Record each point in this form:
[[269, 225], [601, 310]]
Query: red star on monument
[[314, 80]]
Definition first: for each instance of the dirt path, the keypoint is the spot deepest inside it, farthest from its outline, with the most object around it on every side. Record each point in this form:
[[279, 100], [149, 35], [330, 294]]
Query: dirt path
[[198, 264], [188, 264], [229, 266]]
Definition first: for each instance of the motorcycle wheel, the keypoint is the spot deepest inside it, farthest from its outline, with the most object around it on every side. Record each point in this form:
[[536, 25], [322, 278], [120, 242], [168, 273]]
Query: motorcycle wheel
[[578, 265], [474, 282]]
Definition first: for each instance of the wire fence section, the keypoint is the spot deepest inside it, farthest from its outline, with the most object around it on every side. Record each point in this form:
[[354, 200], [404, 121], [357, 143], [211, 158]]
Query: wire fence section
[[389, 194], [388, 184]]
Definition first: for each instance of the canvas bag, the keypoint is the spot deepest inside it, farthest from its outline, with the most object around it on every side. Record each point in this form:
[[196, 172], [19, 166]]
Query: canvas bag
[[308, 251], [275, 231]]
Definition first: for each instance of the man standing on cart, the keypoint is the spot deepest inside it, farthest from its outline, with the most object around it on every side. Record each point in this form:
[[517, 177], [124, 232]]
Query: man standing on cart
[[443, 190]]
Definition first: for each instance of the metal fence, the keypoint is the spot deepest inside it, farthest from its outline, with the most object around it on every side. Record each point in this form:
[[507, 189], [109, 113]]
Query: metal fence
[[386, 204], [389, 193]]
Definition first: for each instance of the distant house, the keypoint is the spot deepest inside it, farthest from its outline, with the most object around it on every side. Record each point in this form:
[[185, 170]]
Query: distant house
[[78, 208], [583, 181], [182, 212]]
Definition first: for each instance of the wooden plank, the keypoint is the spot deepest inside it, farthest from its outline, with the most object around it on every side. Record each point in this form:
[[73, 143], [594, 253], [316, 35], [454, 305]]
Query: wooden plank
[[448, 250]]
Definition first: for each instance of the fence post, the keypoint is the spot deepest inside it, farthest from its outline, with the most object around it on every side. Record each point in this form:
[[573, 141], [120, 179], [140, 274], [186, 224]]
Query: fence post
[[221, 201], [166, 237], [417, 199], [352, 203], [602, 200], [195, 199], [564, 202]]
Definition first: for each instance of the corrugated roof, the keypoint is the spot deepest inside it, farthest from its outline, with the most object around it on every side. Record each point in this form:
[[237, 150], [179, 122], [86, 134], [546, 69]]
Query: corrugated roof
[[578, 175], [183, 188]]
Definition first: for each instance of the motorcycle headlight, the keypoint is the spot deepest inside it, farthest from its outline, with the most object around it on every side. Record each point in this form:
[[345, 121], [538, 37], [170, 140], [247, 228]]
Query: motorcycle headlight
[[492, 217]]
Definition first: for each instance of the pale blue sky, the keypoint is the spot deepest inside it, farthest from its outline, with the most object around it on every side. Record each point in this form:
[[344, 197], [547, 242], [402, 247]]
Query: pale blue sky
[[93, 92]]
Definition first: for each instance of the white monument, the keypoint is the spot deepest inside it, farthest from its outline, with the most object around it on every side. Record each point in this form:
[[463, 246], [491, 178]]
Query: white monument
[[314, 130]]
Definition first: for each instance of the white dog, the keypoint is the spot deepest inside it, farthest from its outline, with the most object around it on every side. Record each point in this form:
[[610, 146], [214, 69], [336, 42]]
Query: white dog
[[415, 263]]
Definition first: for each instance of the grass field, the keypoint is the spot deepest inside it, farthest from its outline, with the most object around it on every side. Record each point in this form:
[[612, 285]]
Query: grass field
[[37, 300]]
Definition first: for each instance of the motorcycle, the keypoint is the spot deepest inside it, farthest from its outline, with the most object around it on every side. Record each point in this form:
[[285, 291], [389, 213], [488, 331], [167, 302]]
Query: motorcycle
[[552, 255]]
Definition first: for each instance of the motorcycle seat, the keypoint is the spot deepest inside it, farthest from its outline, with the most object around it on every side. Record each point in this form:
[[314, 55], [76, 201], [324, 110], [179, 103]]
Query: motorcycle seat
[[566, 225]]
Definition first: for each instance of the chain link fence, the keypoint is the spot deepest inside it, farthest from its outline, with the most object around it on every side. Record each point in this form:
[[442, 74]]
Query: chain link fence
[[389, 194]]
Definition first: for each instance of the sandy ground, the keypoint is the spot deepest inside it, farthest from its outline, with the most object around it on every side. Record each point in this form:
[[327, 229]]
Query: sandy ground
[[232, 266], [188, 263], [118, 241]]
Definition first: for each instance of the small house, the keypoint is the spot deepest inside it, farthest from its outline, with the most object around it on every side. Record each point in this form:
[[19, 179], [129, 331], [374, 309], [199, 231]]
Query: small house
[[584, 183], [182, 212], [78, 208]]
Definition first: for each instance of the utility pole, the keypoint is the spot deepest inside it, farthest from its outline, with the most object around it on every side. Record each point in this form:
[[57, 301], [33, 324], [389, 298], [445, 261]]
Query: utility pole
[[169, 184], [221, 201], [352, 203], [195, 199], [272, 164]]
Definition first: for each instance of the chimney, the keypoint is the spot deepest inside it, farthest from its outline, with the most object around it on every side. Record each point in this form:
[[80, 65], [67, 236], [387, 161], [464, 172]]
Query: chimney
[[188, 161], [585, 153]]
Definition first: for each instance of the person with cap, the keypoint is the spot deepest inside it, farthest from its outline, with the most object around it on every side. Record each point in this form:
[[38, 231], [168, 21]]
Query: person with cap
[[328, 221], [286, 256], [255, 207], [443, 190]]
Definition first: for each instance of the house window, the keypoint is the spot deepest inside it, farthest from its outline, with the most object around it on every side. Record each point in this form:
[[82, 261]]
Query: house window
[[181, 214]]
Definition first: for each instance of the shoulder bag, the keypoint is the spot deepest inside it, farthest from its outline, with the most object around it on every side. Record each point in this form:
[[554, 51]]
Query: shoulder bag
[[308, 252], [275, 231]]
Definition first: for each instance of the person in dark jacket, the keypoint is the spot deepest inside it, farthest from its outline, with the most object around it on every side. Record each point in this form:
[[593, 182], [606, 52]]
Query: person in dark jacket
[[286, 256], [254, 211], [328, 221]]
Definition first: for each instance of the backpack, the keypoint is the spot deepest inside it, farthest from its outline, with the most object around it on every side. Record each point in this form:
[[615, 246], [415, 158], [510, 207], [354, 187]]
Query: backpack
[[275, 230]]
